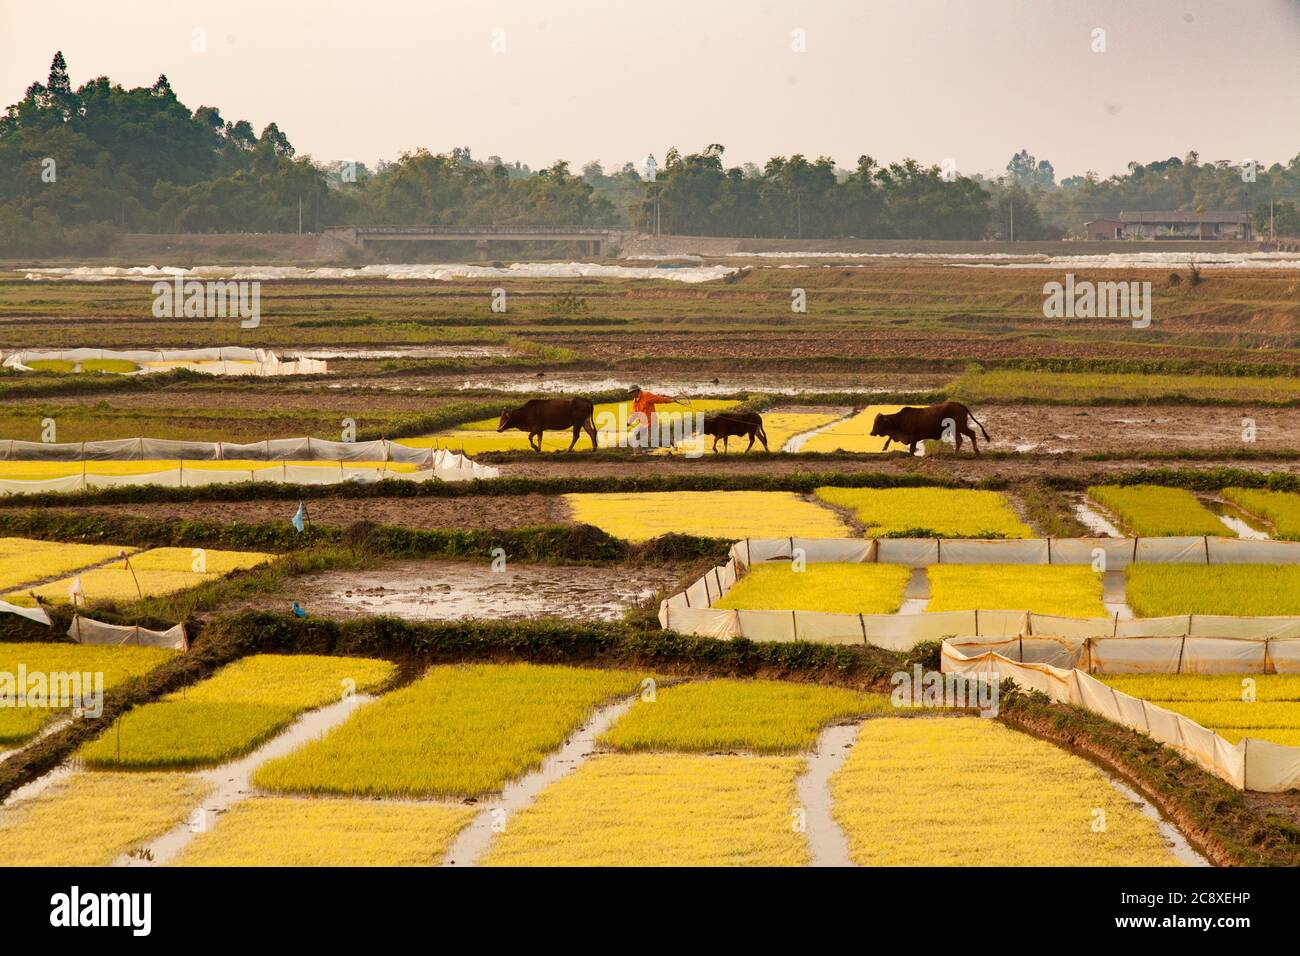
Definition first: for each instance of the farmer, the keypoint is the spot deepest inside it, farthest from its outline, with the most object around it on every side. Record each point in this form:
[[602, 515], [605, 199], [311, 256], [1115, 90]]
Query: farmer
[[643, 406]]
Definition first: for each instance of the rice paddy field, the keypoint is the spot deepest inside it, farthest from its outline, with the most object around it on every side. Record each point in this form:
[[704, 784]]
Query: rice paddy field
[[307, 737], [1151, 511], [1247, 590], [928, 512], [1259, 706], [713, 514], [152, 573], [1065, 590], [230, 713], [827, 587], [903, 798]]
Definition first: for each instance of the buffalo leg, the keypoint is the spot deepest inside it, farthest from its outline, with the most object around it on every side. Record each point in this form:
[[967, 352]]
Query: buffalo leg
[[577, 430], [715, 444], [591, 433], [751, 443], [911, 449], [956, 442], [535, 441], [886, 446]]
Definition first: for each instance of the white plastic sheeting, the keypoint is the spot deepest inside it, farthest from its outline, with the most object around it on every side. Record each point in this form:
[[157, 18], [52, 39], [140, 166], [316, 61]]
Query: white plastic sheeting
[[31, 613], [83, 630], [692, 611], [431, 463], [1249, 765], [443, 272], [231, 360]]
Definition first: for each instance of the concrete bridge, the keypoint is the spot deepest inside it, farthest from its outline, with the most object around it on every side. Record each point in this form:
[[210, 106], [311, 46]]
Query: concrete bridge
[[591, 237]]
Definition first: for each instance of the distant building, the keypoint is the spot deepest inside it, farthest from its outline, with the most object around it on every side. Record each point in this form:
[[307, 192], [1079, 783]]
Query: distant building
[[1103, 228], [1172, 225]]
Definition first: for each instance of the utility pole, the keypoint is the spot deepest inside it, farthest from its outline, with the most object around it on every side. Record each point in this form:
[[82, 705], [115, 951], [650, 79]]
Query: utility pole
[[1011, 207], [300, 214], [1271, 234]]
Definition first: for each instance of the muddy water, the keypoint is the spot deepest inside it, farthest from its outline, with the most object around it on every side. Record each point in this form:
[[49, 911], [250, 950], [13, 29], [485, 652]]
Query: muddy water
[[1178, 845], [1241, 524], [1094, 520], [826, 841], [474, 840], [232, 781], [451, 590], [1114, 596], [917, 593]]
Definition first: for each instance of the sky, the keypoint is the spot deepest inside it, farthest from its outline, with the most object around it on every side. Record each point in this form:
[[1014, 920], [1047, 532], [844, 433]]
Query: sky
[[970, 81]]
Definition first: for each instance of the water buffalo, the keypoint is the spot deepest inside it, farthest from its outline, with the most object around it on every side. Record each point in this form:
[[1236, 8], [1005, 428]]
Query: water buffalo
[[538, 415], [725, 424], [907, 426]]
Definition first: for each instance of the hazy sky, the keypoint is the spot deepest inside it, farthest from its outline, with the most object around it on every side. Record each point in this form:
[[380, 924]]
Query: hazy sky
[[970, 80]]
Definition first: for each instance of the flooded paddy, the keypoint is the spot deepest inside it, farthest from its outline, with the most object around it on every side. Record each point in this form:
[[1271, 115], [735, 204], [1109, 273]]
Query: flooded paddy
[[769, 383], [453, 590]]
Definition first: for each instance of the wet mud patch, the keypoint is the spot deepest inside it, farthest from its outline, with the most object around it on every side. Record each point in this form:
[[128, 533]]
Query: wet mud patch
[[454, 590]]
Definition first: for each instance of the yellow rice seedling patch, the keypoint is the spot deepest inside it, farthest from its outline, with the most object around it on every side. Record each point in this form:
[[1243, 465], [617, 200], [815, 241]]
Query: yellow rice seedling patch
[[1178, 687], [298, 831], [758, 716], [1153, 511], [1066, 590], [929, 512], [23, 560], [1217, 702], [1153, 590], [854, 433], [639, 516], [1281, 509], [230, 713], [971, 792], [1286, 736], [41, 470], [112, 584], [156, 572], [661, 810], [116, 664], [459, 731], [90, 819], [210, 560], [482, 435], [821, 586]]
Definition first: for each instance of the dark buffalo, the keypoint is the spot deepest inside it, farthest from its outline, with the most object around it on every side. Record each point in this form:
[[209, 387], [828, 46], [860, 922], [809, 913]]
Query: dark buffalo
[[726, 424], [907, 426], [538, 415]]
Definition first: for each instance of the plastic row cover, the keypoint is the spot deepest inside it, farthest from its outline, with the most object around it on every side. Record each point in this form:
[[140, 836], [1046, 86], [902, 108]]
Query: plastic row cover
[[276, 449], [1118, 552], [85, 631], [1249, 765], [231, 360], [287, 474]]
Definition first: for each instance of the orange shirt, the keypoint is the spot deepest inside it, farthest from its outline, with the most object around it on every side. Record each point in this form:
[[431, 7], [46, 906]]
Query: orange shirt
[[645, 403]]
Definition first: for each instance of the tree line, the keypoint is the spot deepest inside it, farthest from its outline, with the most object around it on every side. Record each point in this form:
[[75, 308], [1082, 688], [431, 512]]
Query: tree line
[[79, 165]]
